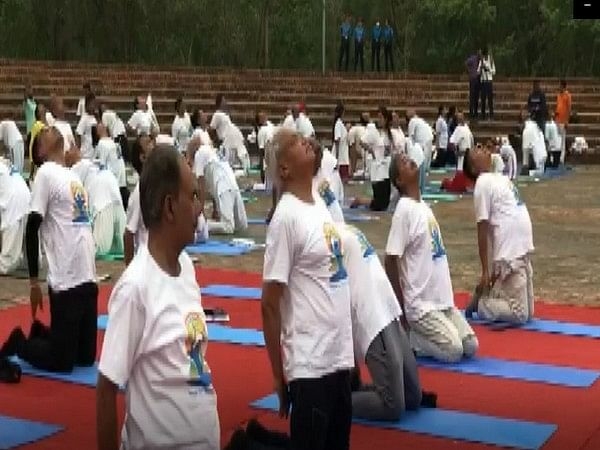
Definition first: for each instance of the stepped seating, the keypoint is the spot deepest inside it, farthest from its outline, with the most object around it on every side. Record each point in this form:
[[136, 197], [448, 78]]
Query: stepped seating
[[248, 91]]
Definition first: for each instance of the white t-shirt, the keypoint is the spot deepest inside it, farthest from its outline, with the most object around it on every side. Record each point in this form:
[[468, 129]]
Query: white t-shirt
[[113, 122], [14, 197], [135, 221], [552, 136], [420, 131], [340, 136], [60, 198], [375, 140], [203, 135], [304, 126], [289, 123], [415, 152], [103, 191], [155, 345], [497, 200], [510, 160], [305, 253], [328, 186], [462, 138], [416, 239], [109, 154], [9, 133], [374, 303], [355, 136], [181, 129], [204, 155], [263, 141], [64, 128], [497, 163], [84, 129], [141, 122], [49, 119], [219, 122], [80, 107], [441, 132]]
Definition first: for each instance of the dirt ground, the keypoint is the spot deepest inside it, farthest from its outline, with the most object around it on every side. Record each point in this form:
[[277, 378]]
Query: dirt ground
[[566, 221]]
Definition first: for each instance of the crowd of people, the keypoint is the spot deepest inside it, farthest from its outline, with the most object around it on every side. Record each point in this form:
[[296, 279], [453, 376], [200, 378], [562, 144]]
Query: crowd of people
[[328, 303]]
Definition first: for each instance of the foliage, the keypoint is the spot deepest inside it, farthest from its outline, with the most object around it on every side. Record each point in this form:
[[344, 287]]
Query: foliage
[[526, 37]]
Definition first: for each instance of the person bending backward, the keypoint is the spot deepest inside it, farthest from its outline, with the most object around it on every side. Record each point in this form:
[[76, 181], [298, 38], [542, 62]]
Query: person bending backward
[[306, 305], [417, 266], [505, 241], [59, 212], [379, 339], [109, 154], [136, 234], [156, 338]]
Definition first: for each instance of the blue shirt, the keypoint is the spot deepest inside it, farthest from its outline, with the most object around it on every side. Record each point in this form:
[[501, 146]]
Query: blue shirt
[[345, 30], [359, 33], [388, 34], [376, 33]]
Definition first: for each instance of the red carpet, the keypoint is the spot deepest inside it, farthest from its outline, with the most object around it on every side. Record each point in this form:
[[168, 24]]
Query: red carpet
[[242, 375]]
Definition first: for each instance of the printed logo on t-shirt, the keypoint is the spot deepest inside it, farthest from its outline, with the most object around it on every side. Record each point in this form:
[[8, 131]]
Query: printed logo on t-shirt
[[79, 203], [326, 193], [196, 336], [365, 246], [437, 243], [334, 242]]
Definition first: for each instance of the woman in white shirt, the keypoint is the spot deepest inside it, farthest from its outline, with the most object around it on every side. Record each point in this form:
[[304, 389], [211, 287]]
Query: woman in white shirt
[[181, 129], [340, 143]]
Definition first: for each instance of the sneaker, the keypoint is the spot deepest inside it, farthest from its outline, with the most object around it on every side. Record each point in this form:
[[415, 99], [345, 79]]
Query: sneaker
[[262, 435], [428, 399], [14, 343]]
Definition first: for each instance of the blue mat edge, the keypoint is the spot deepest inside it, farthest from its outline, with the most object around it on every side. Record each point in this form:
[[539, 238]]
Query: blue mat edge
[[48, 430]]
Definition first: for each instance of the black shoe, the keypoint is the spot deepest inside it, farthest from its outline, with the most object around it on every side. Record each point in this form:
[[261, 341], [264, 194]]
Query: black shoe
[[38, 330], [14, 343], [258, 433], [428, 399], [238, 441], [9, 371]]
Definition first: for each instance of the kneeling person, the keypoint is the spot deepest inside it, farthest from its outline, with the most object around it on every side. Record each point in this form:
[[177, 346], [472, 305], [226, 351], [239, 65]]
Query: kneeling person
[[505, 291], [417, 266]]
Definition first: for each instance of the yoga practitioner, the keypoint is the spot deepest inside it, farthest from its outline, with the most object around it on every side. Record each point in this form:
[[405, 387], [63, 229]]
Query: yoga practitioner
[[12, 139], [108, 153]]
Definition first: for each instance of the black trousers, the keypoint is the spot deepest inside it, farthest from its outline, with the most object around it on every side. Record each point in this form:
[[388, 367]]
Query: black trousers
[[487, 95], [381, 195], [124, 196], [440, 158], [71, 339], [344, 52], [474, 88], [261, 159], [122, 141], [388, 54], [359, 55], [375, 55], [321, 412]]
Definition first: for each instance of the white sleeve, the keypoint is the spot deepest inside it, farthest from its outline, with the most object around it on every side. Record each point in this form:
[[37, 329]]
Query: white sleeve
[[80, 130], [40, 194], [126, 321], [482, 200], [279, 250], [215, 120], [199, 162], [134, 212], [338, 130], [398, 237]]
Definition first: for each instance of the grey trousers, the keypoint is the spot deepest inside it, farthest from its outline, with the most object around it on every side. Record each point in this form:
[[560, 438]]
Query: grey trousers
[[393, 368]]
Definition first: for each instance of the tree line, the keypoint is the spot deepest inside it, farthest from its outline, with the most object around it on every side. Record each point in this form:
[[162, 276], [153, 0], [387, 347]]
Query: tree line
[[526, 37]]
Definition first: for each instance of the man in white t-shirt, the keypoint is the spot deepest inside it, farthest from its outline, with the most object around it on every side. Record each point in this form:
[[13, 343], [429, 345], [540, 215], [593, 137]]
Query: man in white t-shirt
[[14, 208], [156, 339], [417, 267], [554, 139], [116, 130], [181, 129], [420, 131], [461, 139], [534, 145], [264, 138], [306, 305], [303, 124], [379, 339], [199, 121], [59, 213], [84, 127], [136, 234], [57, 107], [12, 139], [355, 136], [231, 140], [507, 152], [106, 207], [108, 153], [142, 120], [505, 241], [340, 144]]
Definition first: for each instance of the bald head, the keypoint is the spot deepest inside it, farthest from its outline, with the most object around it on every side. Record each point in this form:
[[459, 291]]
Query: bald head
[[295, 158], [48, 146]]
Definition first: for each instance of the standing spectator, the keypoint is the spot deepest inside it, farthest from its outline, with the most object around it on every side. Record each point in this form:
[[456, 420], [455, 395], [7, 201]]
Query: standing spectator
[[345, 31], [472, 65], [487, 70], [563, 113], [29, 105], [536, 105], [376, 46], [359, 42], [388, 40]]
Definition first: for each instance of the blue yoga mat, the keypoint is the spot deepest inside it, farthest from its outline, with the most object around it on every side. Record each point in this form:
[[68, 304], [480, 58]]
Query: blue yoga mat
[[457, 425], [257, 221], [85, 376], [229, 291], [518, 370], [217, 248], [553, 327], [17, 432]]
